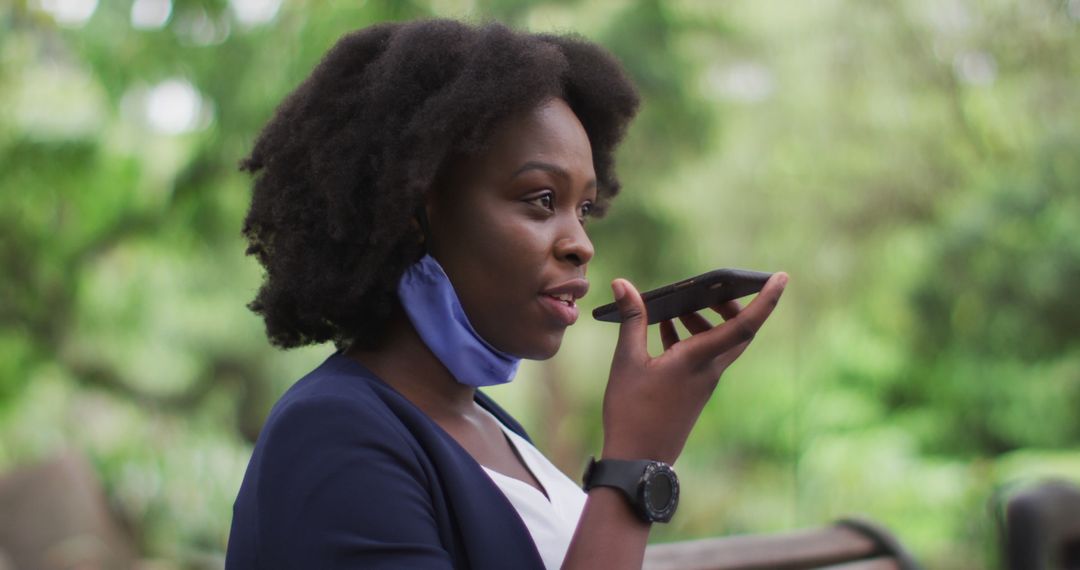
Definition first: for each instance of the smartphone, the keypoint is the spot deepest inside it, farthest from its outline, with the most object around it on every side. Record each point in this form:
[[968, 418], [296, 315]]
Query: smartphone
[[693, 294]]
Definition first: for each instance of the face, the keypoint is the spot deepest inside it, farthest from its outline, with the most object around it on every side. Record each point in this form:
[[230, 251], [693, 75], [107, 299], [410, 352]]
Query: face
[[508, 228]]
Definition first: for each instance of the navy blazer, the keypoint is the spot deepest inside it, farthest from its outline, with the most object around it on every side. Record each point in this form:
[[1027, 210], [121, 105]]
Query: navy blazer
[[347, 473]]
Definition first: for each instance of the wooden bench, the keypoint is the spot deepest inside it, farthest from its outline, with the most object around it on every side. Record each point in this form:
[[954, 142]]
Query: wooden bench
[[851, 544]]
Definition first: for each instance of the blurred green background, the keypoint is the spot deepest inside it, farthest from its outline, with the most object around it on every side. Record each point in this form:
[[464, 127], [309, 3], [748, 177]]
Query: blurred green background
[[914, 165]]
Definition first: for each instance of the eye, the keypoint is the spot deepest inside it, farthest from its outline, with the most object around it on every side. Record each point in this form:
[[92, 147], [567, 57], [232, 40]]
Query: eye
[[545, 200], [586, 211]]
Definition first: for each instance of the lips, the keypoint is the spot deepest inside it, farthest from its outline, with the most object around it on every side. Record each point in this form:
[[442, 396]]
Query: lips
[[560, 300]]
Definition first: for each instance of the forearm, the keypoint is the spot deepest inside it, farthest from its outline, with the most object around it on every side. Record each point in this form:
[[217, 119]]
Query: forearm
[[608, 535]]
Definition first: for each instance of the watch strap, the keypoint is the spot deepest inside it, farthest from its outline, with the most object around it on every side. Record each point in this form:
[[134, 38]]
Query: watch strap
[[619, 473]]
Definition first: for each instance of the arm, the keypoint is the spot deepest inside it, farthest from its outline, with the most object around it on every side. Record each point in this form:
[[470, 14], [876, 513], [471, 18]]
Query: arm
[[340, 489], [650, 406]]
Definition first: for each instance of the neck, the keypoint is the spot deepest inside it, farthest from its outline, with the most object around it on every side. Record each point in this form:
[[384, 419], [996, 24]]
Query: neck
[[408, 366]]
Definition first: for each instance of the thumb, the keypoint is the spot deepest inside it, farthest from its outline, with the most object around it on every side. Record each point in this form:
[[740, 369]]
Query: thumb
[[633, 332]]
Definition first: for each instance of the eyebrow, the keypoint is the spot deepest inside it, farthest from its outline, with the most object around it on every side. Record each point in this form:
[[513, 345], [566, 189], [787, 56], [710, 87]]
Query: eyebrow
[[550, 168]]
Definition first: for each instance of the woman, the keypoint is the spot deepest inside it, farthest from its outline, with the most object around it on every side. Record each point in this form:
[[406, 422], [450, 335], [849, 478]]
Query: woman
[[420, 201]]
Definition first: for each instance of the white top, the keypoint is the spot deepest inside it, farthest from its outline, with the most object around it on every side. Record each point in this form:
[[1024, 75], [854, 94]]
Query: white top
[[551, 523]]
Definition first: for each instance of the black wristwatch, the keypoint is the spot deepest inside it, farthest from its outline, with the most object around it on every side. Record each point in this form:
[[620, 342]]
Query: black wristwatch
[[651, 487]]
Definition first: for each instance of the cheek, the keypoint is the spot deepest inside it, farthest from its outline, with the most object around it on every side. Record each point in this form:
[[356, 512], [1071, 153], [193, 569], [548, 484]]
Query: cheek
[[501, 280], [499, 245], [522, 245], [505, 266]]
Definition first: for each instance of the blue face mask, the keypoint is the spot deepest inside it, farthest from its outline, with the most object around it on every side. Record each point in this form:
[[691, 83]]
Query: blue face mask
[[433, 308]]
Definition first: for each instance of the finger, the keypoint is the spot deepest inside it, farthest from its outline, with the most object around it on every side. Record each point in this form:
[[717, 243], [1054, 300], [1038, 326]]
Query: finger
[[728, 309], [740, 328], [726, 359], [668, 335], [695, 323], [633, 332]]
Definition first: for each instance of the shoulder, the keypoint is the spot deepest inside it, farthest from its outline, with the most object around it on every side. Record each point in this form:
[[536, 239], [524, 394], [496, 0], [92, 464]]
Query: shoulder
[[337, 479], [335, 406]]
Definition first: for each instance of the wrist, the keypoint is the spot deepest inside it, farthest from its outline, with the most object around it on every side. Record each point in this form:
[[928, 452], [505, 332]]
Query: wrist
[[613, 501], [633, 453], [650, 488]]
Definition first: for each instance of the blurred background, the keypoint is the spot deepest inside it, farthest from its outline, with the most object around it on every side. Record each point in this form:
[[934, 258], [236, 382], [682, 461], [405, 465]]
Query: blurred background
[[914, 165]]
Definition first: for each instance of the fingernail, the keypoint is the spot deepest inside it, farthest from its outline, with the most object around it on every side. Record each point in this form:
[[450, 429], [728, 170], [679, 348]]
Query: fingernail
[[618, 289]]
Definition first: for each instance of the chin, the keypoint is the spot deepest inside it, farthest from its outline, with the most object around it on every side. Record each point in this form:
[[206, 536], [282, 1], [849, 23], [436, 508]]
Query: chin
[[541, 349]]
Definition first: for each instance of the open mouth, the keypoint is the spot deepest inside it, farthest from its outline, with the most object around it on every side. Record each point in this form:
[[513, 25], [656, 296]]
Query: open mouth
[[560, 300], [566, 299]]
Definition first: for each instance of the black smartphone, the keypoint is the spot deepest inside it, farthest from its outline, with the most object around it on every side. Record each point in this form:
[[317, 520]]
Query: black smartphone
[[693, 294]]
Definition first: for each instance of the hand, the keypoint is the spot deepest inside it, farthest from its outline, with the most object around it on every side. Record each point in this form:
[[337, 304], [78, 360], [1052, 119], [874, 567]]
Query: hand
[[651, 404]]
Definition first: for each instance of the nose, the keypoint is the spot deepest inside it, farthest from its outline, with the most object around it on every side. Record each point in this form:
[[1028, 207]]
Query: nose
[[574, 245]]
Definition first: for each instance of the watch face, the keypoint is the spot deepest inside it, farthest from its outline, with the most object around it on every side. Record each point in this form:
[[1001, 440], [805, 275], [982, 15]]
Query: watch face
[[659, 492]]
